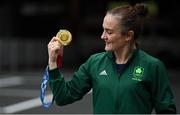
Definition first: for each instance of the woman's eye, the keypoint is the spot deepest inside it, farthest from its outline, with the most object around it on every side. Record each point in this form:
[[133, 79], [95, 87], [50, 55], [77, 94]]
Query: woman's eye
[[109, 32]]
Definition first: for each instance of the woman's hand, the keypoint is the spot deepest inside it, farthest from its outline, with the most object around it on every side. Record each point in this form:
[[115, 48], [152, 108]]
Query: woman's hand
[[55, 48]]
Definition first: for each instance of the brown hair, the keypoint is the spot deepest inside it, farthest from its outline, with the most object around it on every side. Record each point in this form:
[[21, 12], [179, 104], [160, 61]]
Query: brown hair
[[130, 17]]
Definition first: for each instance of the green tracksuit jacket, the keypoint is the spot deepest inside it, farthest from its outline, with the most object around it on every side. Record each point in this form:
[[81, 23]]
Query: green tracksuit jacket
[[141, 87]]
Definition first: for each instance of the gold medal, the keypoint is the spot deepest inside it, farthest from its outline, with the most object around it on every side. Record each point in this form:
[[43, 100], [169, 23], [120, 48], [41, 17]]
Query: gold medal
[[64, 36]]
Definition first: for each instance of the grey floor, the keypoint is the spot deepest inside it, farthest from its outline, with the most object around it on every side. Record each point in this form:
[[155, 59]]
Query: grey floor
[[19, 93]]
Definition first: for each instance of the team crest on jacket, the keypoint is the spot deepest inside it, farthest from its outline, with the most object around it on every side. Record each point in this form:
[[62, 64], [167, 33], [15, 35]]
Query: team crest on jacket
[[138, 73]]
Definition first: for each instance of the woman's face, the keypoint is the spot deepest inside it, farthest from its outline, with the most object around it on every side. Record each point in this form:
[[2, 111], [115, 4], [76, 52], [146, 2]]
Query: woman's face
[[112, 36]]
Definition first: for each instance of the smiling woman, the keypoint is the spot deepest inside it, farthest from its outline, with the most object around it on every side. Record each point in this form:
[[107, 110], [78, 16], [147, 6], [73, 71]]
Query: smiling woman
[[124, 78], [111, 35]]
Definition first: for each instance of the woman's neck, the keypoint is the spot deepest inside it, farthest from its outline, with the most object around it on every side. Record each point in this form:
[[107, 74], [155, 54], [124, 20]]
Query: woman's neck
[[124, 54]]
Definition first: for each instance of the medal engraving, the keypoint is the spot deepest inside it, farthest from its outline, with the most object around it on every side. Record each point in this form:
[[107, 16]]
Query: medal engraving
[[64, 36]]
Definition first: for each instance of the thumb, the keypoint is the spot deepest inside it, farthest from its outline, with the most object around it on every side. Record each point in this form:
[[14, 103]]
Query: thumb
[[61, 51]]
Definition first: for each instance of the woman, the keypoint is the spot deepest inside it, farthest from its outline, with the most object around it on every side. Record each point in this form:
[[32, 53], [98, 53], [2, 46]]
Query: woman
[[124, 79]]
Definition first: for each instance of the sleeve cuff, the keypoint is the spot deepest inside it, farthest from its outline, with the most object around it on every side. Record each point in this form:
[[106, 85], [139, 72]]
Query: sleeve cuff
[[54, 74]]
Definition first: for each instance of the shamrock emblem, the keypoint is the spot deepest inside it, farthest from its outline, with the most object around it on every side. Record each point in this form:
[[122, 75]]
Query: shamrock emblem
[[138, 72]]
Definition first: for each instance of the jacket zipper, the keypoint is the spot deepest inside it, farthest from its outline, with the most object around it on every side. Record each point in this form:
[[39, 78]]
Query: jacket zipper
[[117, 89]]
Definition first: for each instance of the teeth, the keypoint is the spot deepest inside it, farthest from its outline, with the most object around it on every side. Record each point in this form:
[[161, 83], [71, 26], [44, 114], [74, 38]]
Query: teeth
[[64, 36]]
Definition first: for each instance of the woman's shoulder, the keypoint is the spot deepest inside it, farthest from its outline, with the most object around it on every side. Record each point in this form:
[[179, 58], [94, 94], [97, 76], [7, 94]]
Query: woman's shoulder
[[96, 58], [99, 55], [146, 57]]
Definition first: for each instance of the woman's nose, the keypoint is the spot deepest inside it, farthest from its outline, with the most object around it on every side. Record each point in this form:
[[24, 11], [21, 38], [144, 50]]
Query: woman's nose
[[103, 36]]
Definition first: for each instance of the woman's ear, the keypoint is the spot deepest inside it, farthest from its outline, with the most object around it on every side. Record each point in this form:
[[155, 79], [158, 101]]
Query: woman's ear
[[130, 35]]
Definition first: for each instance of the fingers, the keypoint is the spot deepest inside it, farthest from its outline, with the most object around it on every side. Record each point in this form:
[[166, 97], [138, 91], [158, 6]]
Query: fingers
[[54, 39], [54, 44], [54, 49]]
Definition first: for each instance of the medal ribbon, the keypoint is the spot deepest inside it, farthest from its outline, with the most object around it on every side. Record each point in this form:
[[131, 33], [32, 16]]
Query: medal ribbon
[[45, 81], [43, 89]]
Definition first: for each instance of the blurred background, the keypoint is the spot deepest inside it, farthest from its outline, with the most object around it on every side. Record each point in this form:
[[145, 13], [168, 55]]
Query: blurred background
[[26, 27]]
